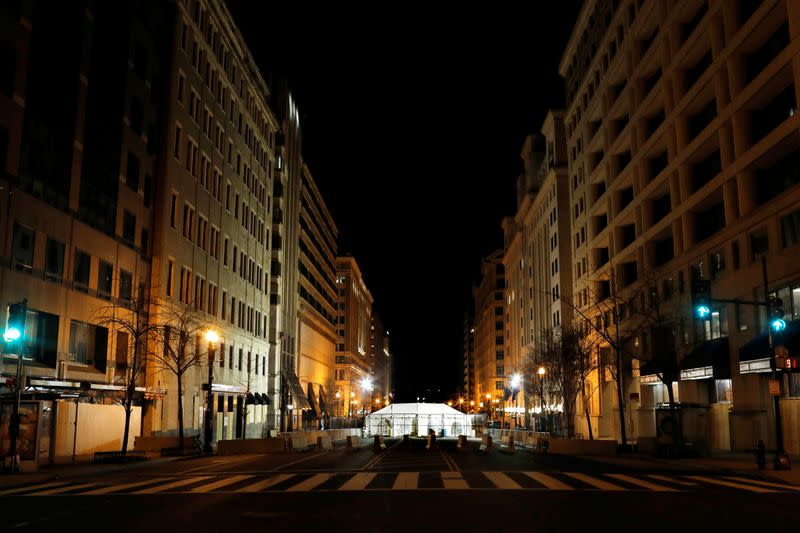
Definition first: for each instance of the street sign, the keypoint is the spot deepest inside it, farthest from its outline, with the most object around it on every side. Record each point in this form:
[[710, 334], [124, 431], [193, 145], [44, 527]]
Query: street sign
[[774, 387]]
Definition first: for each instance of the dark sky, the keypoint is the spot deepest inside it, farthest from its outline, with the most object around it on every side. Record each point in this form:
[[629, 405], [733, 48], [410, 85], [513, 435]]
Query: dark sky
[[413, 120]]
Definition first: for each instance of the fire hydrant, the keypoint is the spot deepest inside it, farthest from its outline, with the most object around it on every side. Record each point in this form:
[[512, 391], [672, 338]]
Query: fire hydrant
[[761, 456]]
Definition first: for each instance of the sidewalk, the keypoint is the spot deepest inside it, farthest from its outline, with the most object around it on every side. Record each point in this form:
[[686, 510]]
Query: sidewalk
[[57, 471], [732, 463]]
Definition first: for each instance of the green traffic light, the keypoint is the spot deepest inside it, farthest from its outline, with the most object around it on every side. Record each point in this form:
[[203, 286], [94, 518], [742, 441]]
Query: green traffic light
[[703, 311], [778, 324], [12, 334]]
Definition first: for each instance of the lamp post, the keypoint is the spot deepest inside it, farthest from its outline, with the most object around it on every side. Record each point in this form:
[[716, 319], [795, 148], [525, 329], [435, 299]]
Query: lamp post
[[212, 337], [339, 402], [541, 373]]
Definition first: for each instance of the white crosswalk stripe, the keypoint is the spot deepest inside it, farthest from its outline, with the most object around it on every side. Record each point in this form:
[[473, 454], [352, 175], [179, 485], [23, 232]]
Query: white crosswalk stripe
[[360, 481]]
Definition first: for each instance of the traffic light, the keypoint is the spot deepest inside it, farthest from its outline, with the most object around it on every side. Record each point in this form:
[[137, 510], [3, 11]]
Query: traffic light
[[701, 298], [15, 324], [776, 322]]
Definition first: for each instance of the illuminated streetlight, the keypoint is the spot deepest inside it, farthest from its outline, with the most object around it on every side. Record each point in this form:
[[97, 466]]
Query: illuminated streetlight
[[541, 371], [516, 379]]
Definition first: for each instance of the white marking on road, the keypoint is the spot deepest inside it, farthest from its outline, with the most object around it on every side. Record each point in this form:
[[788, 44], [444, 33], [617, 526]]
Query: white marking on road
[[642, 483], [453, 480], [314, 481], [501, 480], [230, 462], [751, 488], [124, 486], [298, 461], [32, 487], [672, 480], [173, 485], [359, 481], [597, 483], [266, 483], [62, 489], [219, 484], [765, 483], [406, 481], [548, 481]]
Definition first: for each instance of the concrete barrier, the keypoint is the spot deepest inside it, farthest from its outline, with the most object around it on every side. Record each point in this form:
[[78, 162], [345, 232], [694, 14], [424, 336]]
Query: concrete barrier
[[583, 447], [431, 440], [507, 444], [462, 441], [354, 441], [486, 443], [297, 442], [378, 443], [156, 444], [324, 442], [241, 446]]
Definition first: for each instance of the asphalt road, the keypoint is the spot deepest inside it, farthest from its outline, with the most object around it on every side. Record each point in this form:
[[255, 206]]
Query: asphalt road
[[394, 490]]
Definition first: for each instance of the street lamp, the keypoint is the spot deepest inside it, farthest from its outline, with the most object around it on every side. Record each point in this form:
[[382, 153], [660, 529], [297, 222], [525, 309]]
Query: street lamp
[[212, 337], [516, 381], [366, 384]]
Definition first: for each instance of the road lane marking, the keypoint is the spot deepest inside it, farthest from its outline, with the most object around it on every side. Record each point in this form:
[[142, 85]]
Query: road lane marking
[[298, 461], [453, 480], [63, 489], [219, 484], [751, 488], [548, 481], [406, 481], [451, 464], [308, 484], [219, 463], [359, 481], [765, 483], [173, 485], [672, 480], [642, 483], [501, 480], [33, 487], [597, 483], [266, 483], [124, 486]]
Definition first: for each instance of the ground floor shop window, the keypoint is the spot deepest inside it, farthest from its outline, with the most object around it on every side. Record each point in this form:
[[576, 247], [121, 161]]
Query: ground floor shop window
[[794, 384], [723, 391]]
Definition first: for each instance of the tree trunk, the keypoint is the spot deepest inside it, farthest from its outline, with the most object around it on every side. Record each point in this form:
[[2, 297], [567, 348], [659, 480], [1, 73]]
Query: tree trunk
[[180, 411], [588, 418], [125, 434], [620, 396], [677, 433]]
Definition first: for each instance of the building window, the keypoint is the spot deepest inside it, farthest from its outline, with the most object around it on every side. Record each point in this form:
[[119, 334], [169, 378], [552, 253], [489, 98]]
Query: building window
[[181, 86], [790, 229], [759, 244], [125, 286], [241, 356], [185, 286], [129, 226], [22, 253], [499, 355], [105, 275], [176, 151], [188, 221], [87, 343], [54, 260], [170, 273], [80, 275], [498, 385], [498, 341]]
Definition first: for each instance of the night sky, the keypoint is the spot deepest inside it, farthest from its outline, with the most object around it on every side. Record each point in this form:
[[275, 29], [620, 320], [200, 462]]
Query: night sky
[[413, 121]]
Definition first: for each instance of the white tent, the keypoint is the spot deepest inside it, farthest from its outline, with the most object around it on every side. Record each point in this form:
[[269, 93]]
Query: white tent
[[398, 419]]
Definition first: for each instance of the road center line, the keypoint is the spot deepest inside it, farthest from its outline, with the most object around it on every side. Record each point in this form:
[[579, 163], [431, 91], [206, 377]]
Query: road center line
[[298, 461]]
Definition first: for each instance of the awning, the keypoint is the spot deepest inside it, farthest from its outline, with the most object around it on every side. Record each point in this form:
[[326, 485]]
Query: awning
[[299, 399], [754, 356], [264, 399], [312, 399], [710, 359], [649, 372], [250, 399]]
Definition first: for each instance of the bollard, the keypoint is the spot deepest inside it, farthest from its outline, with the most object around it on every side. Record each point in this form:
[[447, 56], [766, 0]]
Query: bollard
[[406, 441], [486, 443], [462, 441], [378, 444], [761, 456], [431, 440]]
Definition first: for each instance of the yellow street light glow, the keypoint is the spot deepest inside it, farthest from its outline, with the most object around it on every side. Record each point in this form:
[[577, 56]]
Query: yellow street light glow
[[212, 336], [541, 371], [450, 404], [461, 400], [472, 402], [488, 396], [338, 394]]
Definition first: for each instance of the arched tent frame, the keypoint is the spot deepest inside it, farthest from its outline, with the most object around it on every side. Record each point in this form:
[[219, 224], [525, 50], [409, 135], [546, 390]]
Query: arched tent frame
[[400, 419]]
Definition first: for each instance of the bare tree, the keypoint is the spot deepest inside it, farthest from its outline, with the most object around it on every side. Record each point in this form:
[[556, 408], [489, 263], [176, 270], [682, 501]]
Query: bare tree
[[180, 324], [247, 382], [567, 358], [134, 319]]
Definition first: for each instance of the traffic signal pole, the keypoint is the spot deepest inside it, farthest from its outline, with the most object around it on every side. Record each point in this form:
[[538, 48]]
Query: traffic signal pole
[[20, 310], [781, 458]]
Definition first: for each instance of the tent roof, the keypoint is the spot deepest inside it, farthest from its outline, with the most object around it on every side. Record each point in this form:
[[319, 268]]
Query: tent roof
[[417, 409]]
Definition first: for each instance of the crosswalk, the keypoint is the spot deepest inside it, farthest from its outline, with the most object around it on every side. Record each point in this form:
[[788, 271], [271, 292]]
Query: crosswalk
[[424, 480]]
